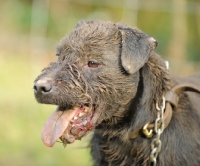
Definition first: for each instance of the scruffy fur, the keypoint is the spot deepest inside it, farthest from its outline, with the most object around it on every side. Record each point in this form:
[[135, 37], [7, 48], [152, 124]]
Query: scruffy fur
[[125, 87]]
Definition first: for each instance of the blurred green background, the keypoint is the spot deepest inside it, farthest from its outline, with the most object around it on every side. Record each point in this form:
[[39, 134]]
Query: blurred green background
[[29, 31]]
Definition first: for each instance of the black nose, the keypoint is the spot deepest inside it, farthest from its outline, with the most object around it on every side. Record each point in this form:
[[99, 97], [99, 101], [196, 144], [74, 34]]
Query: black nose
[[42, 86]]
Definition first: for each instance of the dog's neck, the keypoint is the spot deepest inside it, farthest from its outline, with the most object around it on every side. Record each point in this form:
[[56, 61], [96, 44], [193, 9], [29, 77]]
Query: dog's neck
[[156, 82]]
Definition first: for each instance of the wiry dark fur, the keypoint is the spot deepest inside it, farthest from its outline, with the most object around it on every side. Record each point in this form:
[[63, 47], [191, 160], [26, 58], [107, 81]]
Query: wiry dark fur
[[124, 90]]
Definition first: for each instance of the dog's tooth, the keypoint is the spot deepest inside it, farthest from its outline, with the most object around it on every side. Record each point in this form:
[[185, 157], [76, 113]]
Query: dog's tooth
[[84, 122], [86, 109], [75, 118], [81, 114]]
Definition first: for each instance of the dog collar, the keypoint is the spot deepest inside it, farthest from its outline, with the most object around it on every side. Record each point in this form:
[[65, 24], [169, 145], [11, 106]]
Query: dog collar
[[171, 103]]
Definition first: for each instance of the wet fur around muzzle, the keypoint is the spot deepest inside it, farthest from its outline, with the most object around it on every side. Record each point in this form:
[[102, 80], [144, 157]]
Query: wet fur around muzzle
[[113, 70]]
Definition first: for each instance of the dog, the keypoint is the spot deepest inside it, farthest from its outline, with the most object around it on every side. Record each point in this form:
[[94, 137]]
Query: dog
[[108, 79]]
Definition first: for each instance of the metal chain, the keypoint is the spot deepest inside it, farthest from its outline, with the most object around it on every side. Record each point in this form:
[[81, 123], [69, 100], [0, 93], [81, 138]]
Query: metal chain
[[158, 129]]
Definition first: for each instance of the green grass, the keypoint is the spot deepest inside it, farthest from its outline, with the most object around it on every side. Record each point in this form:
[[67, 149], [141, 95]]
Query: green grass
[[22, 119]]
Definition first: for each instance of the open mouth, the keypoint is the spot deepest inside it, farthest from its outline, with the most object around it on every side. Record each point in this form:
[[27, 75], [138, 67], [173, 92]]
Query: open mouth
[[68, 125]]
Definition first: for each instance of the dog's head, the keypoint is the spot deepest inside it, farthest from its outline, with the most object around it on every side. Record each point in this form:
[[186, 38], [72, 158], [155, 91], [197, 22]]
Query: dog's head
[[95, 77]]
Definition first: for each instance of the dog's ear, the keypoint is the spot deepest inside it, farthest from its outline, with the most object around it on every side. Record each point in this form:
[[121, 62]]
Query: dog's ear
[[136, 49]]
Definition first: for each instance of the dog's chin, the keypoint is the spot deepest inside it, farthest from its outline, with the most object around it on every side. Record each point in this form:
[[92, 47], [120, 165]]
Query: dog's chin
[[69, 125]]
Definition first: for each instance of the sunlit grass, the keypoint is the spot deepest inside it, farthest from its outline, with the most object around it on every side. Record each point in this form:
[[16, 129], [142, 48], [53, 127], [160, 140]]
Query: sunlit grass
[[22, 119]]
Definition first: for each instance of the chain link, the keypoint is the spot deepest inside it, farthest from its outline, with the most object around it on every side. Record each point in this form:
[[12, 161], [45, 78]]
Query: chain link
[[158, 129]]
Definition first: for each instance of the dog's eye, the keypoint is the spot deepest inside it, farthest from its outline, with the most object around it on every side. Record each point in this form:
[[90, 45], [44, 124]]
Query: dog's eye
[[93, 64]]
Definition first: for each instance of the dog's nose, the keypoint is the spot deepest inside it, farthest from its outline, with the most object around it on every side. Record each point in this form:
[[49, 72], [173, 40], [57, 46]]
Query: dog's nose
[[42, 86]]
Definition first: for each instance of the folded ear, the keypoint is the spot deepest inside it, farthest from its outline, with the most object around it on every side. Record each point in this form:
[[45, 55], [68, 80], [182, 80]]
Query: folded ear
[[136, 49]]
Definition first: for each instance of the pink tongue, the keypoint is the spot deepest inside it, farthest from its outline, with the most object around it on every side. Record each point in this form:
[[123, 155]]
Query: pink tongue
[[56, 125]]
